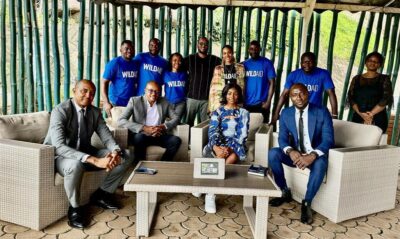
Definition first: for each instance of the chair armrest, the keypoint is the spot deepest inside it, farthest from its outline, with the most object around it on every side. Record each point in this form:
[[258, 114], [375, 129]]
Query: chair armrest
[[198, 139], [383, 140], [262, 144], [26, 165], [182, 131], [121, 136]]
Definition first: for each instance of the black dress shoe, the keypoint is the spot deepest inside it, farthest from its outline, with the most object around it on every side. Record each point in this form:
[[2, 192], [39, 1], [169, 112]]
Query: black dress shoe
[[75, 218], [103, 199], [286, 197], [306, 213]]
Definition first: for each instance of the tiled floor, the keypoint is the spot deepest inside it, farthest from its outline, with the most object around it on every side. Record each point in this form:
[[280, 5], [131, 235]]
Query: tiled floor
[[182, 216]]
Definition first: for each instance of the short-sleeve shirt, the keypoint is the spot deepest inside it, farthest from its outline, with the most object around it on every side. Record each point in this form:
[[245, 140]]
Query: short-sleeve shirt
[[123, 75], [175, 86], [316, 82], [258, 74], [151, 68]]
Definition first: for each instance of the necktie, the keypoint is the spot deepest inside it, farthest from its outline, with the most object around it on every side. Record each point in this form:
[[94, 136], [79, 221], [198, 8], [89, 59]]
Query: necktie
[[83, 136], [301, 133]]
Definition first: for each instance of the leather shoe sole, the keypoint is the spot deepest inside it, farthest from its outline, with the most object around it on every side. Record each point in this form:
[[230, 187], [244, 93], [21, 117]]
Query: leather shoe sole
[[75, 224]]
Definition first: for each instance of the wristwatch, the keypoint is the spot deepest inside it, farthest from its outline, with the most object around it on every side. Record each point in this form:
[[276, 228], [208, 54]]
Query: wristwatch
[[315, 153], [288, 151]]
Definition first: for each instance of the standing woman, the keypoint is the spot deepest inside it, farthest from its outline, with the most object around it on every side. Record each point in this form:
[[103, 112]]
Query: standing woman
[[370, 92], [227, 72], [175, 80], [227, 133]]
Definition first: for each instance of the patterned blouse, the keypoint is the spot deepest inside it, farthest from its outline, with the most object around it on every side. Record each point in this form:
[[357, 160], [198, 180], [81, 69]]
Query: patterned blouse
[[229, 127], [218, 84]]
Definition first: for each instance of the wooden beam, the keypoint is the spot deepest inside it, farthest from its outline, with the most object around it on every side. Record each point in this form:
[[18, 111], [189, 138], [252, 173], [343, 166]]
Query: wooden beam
[[307, 12]]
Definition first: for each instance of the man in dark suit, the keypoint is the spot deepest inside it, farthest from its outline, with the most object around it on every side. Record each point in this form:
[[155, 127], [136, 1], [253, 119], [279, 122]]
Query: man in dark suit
[[305, 137], [72, 124], [149, 124]]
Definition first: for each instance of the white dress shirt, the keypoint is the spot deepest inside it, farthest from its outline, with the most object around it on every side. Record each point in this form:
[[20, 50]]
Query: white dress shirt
[[152, 116]]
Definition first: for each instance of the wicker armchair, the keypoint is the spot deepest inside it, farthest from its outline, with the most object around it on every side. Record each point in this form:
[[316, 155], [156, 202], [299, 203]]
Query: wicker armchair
[[361, 178], [257, 140], [32, 193]]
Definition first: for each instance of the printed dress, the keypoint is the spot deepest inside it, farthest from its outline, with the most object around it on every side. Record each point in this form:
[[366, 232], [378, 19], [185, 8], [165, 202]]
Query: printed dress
[[228, 127]]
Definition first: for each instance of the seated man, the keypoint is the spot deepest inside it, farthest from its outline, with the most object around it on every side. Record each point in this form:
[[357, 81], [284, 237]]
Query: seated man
[[149, 125], [72, 125], [305, 137]]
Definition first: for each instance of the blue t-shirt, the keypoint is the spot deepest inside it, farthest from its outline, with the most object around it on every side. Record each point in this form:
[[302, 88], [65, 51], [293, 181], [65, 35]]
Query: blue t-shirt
[[175, 86], [258, 74], [151, 68], [123, 75], [316, 82]]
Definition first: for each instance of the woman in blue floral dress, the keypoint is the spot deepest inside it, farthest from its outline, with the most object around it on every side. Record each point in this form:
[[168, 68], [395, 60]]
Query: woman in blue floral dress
[[227, 133]]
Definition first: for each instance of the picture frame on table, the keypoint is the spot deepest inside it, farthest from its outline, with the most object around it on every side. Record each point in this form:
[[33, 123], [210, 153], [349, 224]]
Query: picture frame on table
[[209, 168]]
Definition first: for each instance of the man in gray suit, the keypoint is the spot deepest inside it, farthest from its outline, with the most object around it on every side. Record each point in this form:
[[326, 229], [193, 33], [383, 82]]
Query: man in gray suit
[[72, 124], [149, 125]]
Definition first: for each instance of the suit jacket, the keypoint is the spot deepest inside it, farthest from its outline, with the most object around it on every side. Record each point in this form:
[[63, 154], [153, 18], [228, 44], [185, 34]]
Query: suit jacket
[[137, 108], [320, 128], [63, 129]]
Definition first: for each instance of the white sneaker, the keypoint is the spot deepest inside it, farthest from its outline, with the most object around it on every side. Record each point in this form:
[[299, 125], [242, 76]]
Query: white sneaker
[[209, 206], [196, 195]]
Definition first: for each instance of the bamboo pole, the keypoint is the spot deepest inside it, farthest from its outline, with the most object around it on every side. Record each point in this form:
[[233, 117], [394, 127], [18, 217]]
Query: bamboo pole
[[161, 29], [224, 27], [152, 22], [89, 54], [258, 24], [299, 42], [232, 26], [396, 66], [186, 32], [265, 33], [210, 30], [21, 60], [317, 34], [331, 46], [114, 31], [98, 54], [367, 37], [239, 34], [46, 56], [194, 30], [248, 30], [274, 34], [281, 58], [106, 41], [169, 32], [131, 24], [310, 33], [122, 13], [378, 31], [292, 24], [393, 41], [350, 65], [178, 30], [13, 56], [202, 21], [3, 56], [395, 131], [28, 56], [67, 66], [140, 29], [386, 34], [56, 53], [81, 37], [37, 61]]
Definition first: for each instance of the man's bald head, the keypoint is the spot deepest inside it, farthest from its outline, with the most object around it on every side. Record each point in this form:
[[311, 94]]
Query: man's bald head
[[299, 95]]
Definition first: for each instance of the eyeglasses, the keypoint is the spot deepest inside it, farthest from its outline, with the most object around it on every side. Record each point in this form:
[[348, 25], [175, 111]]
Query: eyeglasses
[[203, 43], [151, 91]]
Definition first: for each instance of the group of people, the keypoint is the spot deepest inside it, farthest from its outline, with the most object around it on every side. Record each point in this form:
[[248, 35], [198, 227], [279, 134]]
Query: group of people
[[203, 86]]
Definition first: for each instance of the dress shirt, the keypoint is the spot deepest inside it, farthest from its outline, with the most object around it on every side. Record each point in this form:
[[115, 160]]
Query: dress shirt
[[152, 116], [307, 141]]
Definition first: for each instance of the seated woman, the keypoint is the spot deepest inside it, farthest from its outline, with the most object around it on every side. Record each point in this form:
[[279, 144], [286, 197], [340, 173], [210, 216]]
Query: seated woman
[[370, 92], [175, 79], [226, 73], [227, 133]]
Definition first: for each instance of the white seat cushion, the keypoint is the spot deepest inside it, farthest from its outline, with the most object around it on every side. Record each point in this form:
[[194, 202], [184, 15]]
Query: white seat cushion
[[349, 134], [256, 119]]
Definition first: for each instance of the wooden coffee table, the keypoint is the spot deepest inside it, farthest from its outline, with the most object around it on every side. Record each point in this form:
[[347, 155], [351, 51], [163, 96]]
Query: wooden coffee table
[[177, 177]]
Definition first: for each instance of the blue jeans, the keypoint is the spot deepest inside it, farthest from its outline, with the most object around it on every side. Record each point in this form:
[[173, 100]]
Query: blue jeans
[[317, 171]]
